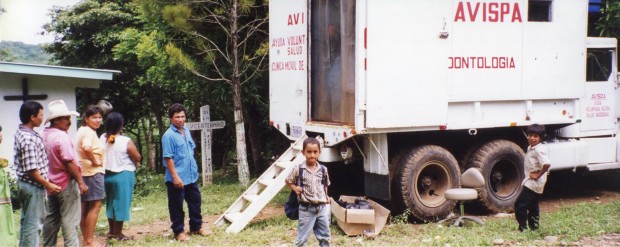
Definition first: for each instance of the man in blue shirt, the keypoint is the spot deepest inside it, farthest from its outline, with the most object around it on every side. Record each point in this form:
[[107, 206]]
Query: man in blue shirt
[[181, 175]]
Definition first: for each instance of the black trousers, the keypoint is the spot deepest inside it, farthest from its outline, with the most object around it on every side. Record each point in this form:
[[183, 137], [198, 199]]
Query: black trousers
[[527, 211], [191, 195]]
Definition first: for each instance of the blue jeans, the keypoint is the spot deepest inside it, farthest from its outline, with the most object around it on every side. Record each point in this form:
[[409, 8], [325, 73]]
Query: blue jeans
[[32, 199], [191, 195], [317, 218], [63, 211]]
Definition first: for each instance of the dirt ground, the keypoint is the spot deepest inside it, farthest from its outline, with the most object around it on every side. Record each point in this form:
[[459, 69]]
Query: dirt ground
[[563, 188]]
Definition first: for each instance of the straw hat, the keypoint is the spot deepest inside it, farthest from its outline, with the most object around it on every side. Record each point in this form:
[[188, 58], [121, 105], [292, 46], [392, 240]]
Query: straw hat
[[58, 108]]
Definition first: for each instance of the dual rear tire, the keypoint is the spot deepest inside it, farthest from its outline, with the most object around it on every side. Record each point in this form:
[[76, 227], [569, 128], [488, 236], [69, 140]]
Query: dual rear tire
[[501, 164], [421, 175], [425, 173]]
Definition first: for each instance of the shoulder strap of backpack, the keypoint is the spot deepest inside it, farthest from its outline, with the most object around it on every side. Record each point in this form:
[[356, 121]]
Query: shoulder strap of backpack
[[301, 177], [324, 179]]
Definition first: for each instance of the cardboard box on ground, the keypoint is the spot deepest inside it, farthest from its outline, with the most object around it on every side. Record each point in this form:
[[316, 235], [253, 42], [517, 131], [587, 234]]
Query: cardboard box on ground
[[360, 221]]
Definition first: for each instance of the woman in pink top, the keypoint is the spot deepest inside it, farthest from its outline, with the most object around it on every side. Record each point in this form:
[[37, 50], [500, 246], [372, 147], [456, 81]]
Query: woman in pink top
[[90, 152]]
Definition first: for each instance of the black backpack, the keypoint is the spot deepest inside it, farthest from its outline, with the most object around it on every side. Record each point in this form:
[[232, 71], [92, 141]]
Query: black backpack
[[291, 206]]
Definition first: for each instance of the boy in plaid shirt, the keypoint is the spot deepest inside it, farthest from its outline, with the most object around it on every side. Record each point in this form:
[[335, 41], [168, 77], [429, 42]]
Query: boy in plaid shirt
[[314, 209]]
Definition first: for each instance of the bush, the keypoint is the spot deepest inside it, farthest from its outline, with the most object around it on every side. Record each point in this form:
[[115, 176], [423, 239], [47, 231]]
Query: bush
[[148, 182]]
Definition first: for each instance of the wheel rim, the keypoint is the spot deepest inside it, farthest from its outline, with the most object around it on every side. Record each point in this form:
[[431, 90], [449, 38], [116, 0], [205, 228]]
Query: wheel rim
[[504, 179], [431, 183]]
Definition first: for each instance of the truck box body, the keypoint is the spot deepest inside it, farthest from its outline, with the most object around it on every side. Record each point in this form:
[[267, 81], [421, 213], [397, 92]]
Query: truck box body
[[405, 82], [421, 90], [419, 65]]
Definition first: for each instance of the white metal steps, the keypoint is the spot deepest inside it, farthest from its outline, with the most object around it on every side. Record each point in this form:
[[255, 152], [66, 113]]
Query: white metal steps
[[256, 197]]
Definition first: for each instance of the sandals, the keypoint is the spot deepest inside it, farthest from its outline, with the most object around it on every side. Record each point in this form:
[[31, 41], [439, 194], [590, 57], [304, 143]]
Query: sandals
[[122, 237]]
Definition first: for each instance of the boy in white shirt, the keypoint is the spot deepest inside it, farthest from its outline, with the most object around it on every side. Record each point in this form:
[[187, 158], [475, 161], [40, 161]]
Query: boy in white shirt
[[536, 164]]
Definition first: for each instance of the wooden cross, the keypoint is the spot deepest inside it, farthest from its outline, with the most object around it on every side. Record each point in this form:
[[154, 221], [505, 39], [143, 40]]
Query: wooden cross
[[25, 96], [206, 127]]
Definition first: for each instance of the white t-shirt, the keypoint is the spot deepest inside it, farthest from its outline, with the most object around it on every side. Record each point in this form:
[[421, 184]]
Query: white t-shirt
[[116, 156], [535, 158]]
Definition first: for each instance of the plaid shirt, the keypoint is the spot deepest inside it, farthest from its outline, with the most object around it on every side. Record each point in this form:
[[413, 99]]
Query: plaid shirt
[[313, 190], [29, 155]]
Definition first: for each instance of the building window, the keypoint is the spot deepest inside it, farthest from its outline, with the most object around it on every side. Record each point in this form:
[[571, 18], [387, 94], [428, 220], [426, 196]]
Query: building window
[[540, 10]]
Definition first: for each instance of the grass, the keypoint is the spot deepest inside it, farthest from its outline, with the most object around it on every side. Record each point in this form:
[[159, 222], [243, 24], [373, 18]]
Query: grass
[[569, 223], [153, 206]]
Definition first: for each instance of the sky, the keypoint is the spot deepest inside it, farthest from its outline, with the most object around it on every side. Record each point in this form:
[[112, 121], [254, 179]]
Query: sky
[[23, 19]]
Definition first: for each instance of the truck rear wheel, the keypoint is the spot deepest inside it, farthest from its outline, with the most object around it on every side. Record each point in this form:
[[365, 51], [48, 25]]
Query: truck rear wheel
[[501, 164], [426, 173]]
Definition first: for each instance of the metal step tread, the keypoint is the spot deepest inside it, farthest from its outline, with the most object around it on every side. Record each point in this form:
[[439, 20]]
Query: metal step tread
[[251, 198], [266, 181], [284, 164], [232, 217]]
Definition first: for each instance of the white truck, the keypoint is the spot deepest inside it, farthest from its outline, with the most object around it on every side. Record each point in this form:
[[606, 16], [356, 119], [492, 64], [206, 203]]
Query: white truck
[[423, 89], [420, 90]]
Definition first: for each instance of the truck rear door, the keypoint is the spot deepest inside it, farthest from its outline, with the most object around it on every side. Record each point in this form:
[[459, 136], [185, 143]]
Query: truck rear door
[[288, 57]]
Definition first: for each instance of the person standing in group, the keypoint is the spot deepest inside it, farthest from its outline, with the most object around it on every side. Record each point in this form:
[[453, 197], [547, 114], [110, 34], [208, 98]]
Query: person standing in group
[[121, 160], [536, 164], [63, 208], [314, 208], [90, 152], [7, 226], [30, 165], [181, 175]]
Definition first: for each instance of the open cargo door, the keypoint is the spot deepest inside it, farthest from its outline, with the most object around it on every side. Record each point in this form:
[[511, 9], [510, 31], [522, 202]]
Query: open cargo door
[[288, 59]]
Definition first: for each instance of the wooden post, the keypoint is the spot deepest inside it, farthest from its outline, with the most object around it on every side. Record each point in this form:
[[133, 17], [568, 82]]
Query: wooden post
[[207, 164], [205, 126]]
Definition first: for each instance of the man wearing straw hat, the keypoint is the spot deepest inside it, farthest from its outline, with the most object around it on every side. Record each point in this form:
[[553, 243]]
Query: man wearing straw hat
[[63, 209]]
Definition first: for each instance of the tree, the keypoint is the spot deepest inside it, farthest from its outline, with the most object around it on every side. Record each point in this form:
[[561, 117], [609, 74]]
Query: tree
[[85, 36], [230, 37], [6, 56], [609, 23]]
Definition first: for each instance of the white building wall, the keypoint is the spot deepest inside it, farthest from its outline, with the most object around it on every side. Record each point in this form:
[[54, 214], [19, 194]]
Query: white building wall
[[55, 87]]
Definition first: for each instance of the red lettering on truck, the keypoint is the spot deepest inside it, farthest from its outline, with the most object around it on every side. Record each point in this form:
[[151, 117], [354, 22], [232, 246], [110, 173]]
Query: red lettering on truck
[[481, 63], [294, 19], [277, 42], [598, 96], [491, 12]]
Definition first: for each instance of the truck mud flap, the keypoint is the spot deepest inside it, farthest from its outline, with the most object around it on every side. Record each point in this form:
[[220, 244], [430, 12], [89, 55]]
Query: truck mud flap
[[377, 186]]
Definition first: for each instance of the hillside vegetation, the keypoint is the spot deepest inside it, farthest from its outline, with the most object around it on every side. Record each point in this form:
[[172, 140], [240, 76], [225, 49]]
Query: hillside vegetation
[[18, 52]]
